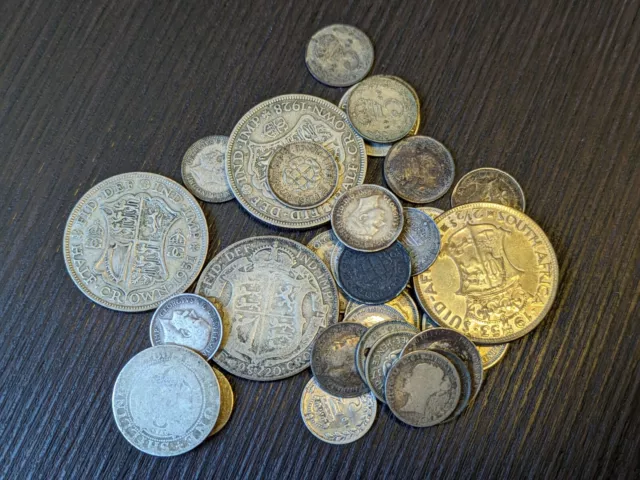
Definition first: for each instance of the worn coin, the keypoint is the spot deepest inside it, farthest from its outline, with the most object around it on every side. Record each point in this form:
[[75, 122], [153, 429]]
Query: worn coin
[[382, 109], [496, 276], [419, 169], [274, 295], [280, 121], [134, 240], [492, 354], [188, 320], [367, 218], [423, 388], [465, 381], [433, 212], [302, 174], [382, 355], [333, 360], [339, 55], [166, 400], [375, 333], [427, 322], [322, 245], [454, 342], [226, 402], [334, 419], [488, 185], [369, 315], [376, 277], [203, 169], [421, 238], [403, 303]]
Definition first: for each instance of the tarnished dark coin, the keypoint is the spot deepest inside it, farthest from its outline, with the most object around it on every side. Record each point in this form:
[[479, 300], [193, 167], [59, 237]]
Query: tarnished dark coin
[[465, 381], [428, 322], [339, 55], [322, 245], [226, 402], [421, 238], [302, 174], [382, 109], [203, 169], [433, 212], [333, 360], [492, 354], [376, 277], [367, 218], [419, 169], [423, 388], [488, 185], [403, 303], [454, 342], [369, 315], [375, 333], [188, 320], [382, 356]]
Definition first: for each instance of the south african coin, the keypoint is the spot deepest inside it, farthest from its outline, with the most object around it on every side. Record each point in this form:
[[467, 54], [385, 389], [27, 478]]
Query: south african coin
[[302, 174], [322, 245], [374, 278], [496, 276], [367, 218], [333, 360], [226, 402], [422, 388], [492, 354], [382, 356], [488, 185], [465, 381], [421, 238], [166, 400], [334, 419], [369, 315], [382, 109], [454, 342], [274, 295], [403, 303], [134, 240], [203, 169], [339, 55], [419, 169], [188, 320], [433, 212], [375, 333], [280, 121]]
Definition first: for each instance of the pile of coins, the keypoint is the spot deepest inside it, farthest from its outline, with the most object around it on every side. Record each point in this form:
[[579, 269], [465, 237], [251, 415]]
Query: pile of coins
[[266, 308]]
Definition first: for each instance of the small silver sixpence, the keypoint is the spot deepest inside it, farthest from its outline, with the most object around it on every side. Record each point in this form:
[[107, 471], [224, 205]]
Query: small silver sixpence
[[339, 55], [421, 238], [188, 320], [488, 185], [203, 169], [302, 174]]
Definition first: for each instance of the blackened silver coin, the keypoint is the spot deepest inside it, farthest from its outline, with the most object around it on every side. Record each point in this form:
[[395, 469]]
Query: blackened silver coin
[[421, 237], [374, 277]]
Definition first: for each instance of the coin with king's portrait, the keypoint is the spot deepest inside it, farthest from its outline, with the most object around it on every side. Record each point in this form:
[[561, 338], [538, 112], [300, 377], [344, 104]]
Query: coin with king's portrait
[[203, 169]]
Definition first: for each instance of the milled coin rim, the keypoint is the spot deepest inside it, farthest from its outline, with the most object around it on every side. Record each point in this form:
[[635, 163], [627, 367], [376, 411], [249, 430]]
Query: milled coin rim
[[475, 170], [202, 220], [190, 155], [321, 220]]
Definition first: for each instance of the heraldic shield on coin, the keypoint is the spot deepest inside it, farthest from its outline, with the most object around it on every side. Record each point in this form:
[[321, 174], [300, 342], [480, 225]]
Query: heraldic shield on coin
[[134, 240], [495, 277], [274, 295]]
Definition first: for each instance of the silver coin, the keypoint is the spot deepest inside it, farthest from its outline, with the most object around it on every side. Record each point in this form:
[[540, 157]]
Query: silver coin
[[382, 356], [382, 109], [419, 169], [280, 121], [456, 343], [334, 419], [367, 218], [333, 360], [335, 256], [375, 333], [433, 212], [134, 240], [188, 320], [203, 169], [422, 389], [339, 55], [428, 322], [465, 382], [302, 174], [322, 245], [421, 237], [488, 185], [166, 400], [369, 315], [274, 296], [403, 303]]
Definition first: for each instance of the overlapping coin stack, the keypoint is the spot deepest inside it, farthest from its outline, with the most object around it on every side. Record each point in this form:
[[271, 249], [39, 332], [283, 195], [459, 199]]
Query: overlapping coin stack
[[267, 308]]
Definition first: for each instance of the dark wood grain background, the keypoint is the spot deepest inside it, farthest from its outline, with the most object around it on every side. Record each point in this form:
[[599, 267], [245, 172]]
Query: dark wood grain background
[[547, 90]]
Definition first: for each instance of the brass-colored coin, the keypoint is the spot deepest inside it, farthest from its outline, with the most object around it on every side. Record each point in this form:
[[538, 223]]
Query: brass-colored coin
[[496, 275], [433, 212], [488, 185], [322, 245], [226, 402], [492, 354], [403, 303]]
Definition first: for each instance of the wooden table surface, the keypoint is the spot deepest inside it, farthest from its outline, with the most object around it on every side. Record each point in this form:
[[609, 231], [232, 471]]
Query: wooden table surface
[[547, 90]]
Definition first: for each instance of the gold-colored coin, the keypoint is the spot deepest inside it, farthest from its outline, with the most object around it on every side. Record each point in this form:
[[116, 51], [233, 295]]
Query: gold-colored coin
[[496, 275], [492, 354], [226, 402], [403, 303]]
